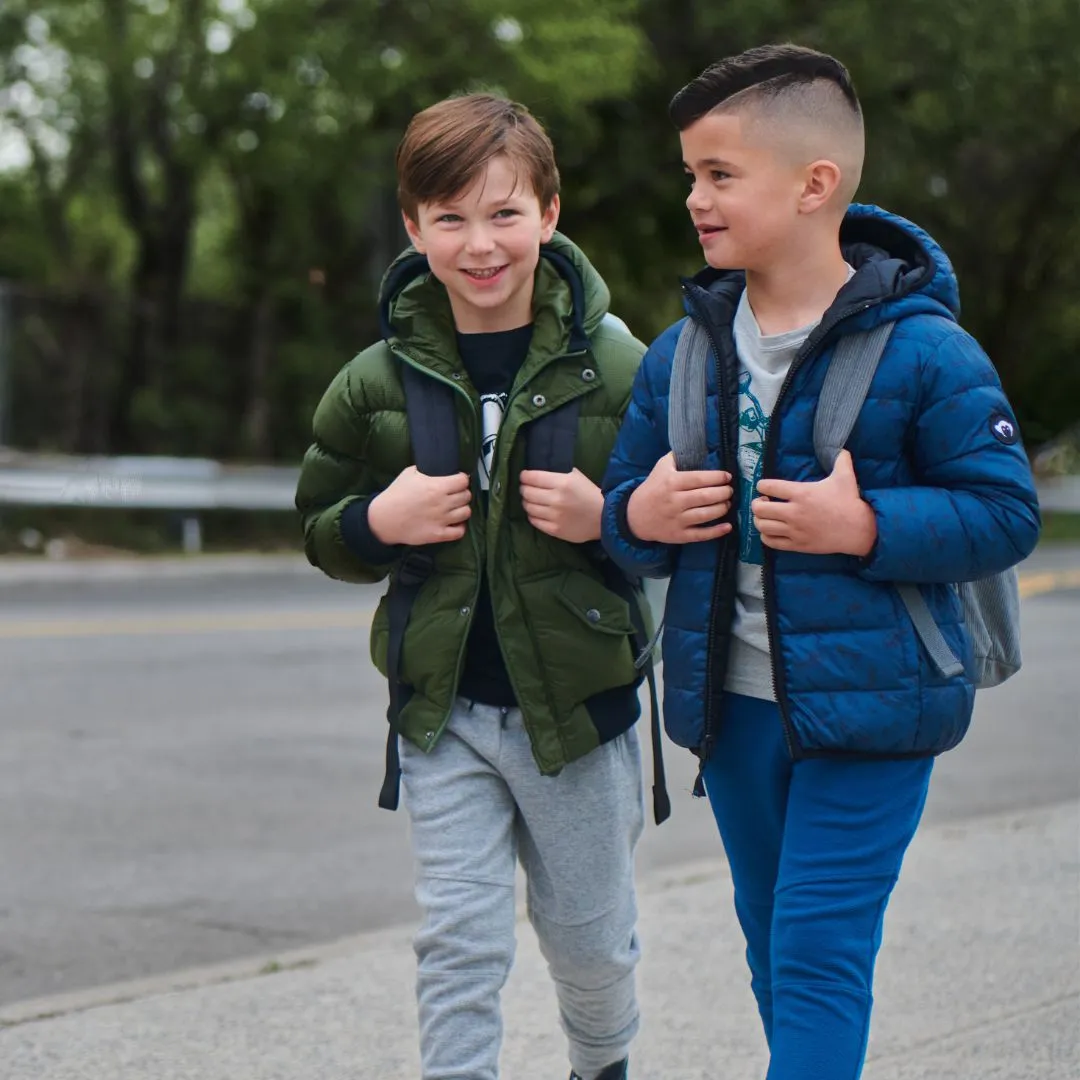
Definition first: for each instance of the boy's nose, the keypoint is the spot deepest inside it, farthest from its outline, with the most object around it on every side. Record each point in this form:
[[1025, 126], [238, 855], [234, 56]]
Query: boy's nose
[[479, 241], [696, 201]]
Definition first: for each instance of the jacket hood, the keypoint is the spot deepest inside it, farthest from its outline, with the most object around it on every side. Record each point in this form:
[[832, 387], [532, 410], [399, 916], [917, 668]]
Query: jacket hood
[[568, 291], [900, 270]]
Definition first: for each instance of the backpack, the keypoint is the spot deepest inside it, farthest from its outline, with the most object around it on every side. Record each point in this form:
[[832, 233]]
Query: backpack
[[550, 439], [990, 605]]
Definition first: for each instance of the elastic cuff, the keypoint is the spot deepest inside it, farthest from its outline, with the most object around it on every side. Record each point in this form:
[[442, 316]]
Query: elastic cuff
[[621, 506], [360, 540]]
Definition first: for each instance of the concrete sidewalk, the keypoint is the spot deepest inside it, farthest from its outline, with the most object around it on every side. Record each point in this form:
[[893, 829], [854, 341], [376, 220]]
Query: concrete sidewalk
[[979, 979]]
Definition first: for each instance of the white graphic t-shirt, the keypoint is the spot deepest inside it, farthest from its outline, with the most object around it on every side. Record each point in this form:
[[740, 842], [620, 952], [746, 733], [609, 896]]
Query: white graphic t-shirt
[[492, 409], [764, 362]]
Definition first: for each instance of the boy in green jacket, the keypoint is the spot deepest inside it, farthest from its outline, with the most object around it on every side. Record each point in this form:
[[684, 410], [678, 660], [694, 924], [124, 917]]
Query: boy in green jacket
[[513, 683]]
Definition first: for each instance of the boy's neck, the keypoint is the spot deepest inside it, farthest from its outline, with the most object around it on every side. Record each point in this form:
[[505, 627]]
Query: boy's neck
[[797, 293]]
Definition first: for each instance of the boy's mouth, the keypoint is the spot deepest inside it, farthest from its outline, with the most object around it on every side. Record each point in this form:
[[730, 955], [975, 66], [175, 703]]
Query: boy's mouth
[[706, 230], [485, 274]]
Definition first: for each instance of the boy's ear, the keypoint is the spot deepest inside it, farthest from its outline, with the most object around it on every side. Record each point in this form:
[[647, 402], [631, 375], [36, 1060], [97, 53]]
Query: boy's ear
[[821, 182], [549, 219], [414, 233]]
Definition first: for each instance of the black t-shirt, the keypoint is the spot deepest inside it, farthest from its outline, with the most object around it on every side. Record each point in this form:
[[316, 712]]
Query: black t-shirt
[[492, 361]]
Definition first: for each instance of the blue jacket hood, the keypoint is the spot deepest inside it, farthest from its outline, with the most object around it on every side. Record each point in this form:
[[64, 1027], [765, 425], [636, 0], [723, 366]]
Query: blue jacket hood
[[900, 270]]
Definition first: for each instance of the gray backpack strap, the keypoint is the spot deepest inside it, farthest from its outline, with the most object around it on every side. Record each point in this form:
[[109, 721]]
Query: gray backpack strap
[[688, 393], [847, 382], [843, 394], [937, 648]]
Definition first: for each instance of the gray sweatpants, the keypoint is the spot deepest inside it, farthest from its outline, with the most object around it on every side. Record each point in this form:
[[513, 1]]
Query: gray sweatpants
[[477, 803]]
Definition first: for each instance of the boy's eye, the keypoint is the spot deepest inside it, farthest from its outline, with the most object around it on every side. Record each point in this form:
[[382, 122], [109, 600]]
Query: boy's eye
[[448, 219], [506, 212], [719, 174]]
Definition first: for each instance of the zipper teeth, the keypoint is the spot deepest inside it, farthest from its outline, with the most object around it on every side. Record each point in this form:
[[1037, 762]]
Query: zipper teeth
[[768, 566], [712, 712]]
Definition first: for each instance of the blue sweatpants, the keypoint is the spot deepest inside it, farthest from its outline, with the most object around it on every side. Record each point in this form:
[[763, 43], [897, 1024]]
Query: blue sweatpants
[[815, 848]]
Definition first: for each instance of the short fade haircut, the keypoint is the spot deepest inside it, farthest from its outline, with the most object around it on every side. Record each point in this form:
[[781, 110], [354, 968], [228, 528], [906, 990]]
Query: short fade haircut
[[448, 145], [806, 96], [767, 72]]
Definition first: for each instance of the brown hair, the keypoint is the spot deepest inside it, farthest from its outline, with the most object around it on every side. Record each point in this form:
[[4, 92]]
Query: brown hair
[[448, 145]]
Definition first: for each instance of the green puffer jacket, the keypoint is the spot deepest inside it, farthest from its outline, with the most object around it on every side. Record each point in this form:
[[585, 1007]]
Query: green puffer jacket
[[565, 636]]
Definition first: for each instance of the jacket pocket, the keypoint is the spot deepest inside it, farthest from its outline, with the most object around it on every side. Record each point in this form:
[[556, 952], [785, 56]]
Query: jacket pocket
[[581, 632]]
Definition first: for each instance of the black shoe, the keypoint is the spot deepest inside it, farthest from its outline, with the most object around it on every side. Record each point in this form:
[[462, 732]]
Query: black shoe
[[618, 1071]]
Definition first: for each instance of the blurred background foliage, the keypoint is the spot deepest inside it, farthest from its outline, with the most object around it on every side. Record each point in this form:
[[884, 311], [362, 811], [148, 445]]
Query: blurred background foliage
[[197, 199]]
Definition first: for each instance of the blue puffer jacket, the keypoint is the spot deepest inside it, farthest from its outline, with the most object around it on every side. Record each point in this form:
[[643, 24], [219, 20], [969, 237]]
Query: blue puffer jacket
[[951, 490]]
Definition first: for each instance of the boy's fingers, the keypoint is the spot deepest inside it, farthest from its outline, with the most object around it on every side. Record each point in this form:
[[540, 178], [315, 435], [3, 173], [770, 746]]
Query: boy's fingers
[[770, 511], [710, 532], [457, 482], [707, 496], [458, 514], [540, 479], [702, 478], [782, 489], [698, 515], [773, 529]]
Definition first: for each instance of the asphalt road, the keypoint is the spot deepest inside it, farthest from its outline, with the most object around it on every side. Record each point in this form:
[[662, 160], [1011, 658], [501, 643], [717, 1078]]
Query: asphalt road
[[188, 771]]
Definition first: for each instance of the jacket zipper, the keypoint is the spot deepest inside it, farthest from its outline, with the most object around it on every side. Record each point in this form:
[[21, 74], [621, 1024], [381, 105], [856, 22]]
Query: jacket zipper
[[708, 737], [516, 392], [768, 566]]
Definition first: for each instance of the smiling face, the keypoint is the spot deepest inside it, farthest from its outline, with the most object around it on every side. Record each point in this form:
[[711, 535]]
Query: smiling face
[[746, 199], [483, 244]]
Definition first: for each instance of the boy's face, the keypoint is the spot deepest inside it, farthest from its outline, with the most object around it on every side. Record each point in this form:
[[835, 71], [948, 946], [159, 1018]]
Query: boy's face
[[483, 245], [744, 198]]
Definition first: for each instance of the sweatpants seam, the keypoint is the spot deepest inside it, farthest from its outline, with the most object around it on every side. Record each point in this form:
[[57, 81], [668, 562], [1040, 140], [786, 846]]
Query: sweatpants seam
[[535, 914], [465, 880], [830, 983], [882, 905], [801, 882]]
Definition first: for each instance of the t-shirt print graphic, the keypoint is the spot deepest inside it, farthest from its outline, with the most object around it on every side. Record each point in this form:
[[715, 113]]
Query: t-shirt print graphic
[[492, 407], [753, 426]]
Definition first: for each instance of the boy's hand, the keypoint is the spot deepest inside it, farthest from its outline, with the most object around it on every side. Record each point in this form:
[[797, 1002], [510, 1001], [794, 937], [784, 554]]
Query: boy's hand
[[673, 507], [822, 517], [417, 509], [564, 505]]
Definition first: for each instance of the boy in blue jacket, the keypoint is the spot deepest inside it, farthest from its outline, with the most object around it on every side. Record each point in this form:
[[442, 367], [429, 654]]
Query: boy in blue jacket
[[791, 667]]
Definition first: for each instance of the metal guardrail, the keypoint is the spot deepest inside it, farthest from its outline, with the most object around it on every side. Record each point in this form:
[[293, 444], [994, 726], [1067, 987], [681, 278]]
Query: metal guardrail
[[183, 485], [190, 485], [143, 483]]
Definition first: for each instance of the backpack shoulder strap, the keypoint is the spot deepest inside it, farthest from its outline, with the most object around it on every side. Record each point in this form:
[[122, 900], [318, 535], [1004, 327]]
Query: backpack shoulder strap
[[432, 417], [433, 432], [843, 393], [687, 432], [847, 382], [550, 439]]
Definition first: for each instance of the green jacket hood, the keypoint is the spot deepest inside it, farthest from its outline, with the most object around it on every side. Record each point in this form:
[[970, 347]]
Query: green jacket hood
[[567, 288]]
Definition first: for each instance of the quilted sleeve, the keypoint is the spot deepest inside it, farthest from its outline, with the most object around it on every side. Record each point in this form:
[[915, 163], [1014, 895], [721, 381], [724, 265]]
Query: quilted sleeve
[[974, 511], [641, 443], [334, 477]]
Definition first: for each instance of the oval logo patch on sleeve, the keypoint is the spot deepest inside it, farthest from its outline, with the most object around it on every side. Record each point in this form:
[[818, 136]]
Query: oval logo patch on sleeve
[[1003, 429]]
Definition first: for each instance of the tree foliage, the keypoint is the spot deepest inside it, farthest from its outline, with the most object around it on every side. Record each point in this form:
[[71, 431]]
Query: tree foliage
[[198, 200]]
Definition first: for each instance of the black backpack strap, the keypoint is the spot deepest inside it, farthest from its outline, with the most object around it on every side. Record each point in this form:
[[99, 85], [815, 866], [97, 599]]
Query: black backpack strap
[[433, 431], [619, 584], [433, 427], [550, 439]]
